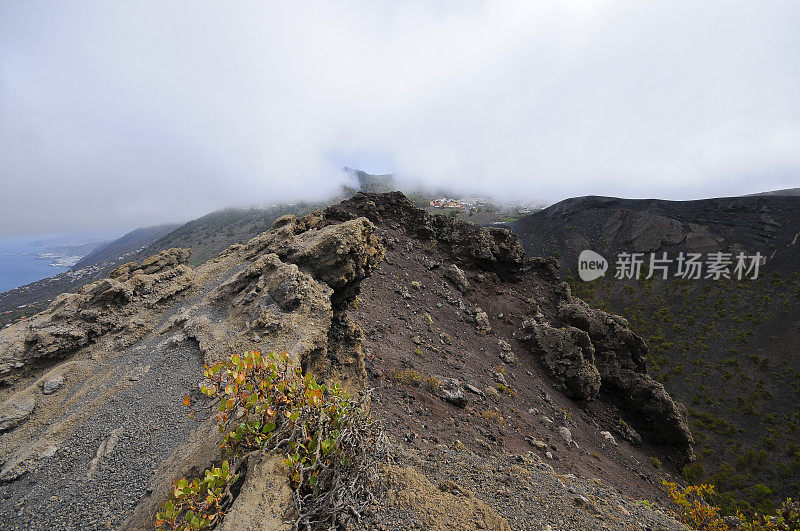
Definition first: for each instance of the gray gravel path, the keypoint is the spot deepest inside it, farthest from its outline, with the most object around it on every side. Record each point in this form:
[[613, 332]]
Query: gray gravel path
[[61, 495], [139, 422]]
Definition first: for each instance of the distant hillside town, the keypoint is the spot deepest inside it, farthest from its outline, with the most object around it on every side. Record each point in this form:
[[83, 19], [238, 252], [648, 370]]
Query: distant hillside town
[[475, 202]]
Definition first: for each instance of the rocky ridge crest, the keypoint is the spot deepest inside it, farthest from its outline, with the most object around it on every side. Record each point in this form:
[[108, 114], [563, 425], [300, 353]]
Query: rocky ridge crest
[[100, 368], [594, 354]]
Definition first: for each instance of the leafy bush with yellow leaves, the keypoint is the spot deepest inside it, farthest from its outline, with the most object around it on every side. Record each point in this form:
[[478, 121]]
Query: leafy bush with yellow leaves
[[265, 404], [693, 508]]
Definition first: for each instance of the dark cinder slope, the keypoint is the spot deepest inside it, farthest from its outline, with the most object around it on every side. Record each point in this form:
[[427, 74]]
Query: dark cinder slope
[[608, 225], [785, 191], [728, 349]]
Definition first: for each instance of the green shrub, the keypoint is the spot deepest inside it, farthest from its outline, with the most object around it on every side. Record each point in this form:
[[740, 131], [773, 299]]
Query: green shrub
[[506, 389], [267, 404], [417, 379], [200, 503], [693, 472]]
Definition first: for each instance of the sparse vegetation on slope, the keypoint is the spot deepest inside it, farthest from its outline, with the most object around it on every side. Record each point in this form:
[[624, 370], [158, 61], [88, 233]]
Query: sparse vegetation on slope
[[209, 235], [710, 345], [725, 348]]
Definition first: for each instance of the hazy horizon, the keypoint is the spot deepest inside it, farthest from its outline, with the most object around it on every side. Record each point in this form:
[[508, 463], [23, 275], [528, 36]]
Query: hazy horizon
[[116, 116], [83, 233]]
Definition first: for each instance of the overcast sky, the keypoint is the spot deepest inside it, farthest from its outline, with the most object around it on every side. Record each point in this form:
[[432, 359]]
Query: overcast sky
[[124, 114]]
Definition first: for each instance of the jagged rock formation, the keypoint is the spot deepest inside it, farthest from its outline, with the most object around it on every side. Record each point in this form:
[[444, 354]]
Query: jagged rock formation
[[120, 303], [493, 249], [620, 359], [94, 385], [587, 350], [568, 354], [595, 351]]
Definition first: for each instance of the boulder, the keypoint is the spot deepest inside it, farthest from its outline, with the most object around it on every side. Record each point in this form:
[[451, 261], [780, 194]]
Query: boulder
[[620, 357], [104, 450], [51, 385], [610, 438], [340, 255], [506, 353], [15, 411], [566, 435], [455, 275], [482, 325], [568, 355], [452, 391], [265, 498]]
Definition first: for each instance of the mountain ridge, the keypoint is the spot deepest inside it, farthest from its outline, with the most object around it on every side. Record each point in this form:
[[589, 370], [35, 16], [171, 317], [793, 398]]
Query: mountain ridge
[[320, 286]]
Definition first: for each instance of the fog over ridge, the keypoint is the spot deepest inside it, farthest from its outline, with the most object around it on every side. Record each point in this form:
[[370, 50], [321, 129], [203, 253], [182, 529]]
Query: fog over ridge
[[117, 115]]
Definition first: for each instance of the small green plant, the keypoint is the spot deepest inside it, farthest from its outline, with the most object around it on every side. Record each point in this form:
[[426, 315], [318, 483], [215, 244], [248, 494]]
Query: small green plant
[[655, 461], [647, 503], [415, 378], [493, 415], [506, 389], [430, 247], [200, 503]]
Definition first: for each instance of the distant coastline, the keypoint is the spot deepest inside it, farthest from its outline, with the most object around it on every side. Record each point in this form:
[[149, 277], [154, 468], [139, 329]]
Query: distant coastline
[[18, 269], [28, 259]]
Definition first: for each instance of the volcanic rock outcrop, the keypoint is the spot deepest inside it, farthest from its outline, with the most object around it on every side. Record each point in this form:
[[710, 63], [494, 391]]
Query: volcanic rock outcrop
[[494, 249], [111, 362], [620, 357], [120, 303], [596, 352], [568, 354]]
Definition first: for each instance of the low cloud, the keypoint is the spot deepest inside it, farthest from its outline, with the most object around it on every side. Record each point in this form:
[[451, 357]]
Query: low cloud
[[116, 115]]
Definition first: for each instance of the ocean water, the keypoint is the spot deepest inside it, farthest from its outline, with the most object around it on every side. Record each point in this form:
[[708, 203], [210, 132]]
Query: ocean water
[[20, 265], [19, 269], [20, 261]]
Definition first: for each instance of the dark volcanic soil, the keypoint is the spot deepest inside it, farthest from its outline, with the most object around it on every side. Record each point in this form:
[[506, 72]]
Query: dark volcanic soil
[[415, 326]]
